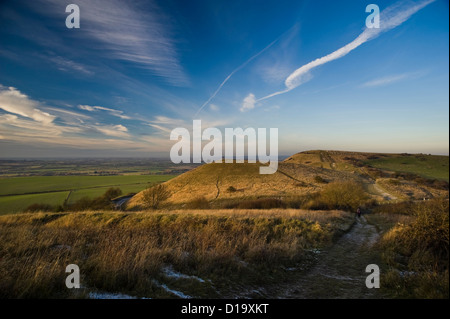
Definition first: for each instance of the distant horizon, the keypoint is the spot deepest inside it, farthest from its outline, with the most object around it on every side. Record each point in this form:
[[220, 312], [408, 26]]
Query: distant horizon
[[167, 158]]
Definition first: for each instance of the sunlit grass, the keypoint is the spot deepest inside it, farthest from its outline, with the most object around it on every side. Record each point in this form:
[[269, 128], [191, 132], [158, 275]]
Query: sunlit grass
[[127, 252]]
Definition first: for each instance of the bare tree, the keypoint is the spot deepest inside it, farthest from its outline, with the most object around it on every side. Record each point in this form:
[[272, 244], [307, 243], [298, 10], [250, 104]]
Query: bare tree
[[155, 195]]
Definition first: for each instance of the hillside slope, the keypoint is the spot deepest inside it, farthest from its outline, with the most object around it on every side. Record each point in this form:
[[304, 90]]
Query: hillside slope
[[296, 176]]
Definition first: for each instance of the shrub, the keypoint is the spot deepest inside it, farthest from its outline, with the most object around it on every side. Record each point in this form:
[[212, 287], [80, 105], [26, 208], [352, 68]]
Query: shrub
[[155, 195], [402, 208], [112, 192], [340, 195], [375, 173], [231, 189], [98, 203], [301, 202], [430, 231], [319, 179], [266, 203], [84, 203], [440, 184], [301, 184], [198, 203], [423, 247], [394, 182]]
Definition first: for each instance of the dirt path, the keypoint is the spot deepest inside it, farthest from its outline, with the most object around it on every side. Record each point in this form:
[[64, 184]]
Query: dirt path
[[340, 270], [384, 193]]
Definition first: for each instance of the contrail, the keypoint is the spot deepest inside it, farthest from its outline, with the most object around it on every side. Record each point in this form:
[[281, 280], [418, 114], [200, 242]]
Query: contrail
[[390, 18], [231, 74]]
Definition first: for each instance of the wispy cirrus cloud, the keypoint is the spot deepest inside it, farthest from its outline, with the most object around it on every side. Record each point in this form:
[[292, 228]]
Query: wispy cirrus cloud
[[391, 17], [114, 112], [66, 65], [132, 31], [231, 74], [389, 79]]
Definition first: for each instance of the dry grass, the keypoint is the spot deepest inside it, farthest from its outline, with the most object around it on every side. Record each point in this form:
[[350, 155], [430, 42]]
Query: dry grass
[[128, 252], [214, 181], [417, 251], [410, 190]]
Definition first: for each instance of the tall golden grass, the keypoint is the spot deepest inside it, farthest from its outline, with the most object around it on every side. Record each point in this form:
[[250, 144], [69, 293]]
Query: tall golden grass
[[418, 251], [127, 252]]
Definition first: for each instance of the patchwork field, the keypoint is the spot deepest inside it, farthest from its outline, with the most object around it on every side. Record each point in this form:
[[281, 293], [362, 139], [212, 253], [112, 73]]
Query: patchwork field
[[17, 193]]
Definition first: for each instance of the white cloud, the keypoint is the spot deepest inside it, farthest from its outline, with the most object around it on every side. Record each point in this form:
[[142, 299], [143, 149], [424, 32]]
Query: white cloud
[[214, 107], [391, 17], [86, 108], [121, 128], [160, 127], [113, 112], [67, 65], [248, 103], [386, 80], [13, 101], [113, 130], [159, 119]]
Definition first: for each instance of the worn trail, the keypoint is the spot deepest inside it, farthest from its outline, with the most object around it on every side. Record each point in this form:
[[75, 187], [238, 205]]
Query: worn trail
[[340, 270]]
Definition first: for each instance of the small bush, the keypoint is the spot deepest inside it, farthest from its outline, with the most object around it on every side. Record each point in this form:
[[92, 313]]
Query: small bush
[[112, 192], [84, 203], [440, 184], [340, 195], [155, 195], [394, 182], [319, 179], [231, 189], [301, 184], [430, 182], [98, 203], [403, 208], [376, 173], [423, 247], [198, 203], [266, 203]]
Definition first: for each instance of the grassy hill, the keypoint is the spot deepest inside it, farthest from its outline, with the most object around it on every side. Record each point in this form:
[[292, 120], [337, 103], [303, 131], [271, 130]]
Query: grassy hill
[[429, 166], [222, 181], [307, 173]]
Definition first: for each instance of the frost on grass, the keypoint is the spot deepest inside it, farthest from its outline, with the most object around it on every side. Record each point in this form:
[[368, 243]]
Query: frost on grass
[[170, 273], [108, 295], [172, 291]]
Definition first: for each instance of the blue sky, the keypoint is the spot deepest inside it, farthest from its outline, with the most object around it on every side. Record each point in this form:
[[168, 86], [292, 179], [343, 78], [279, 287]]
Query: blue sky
[[135, 70]]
